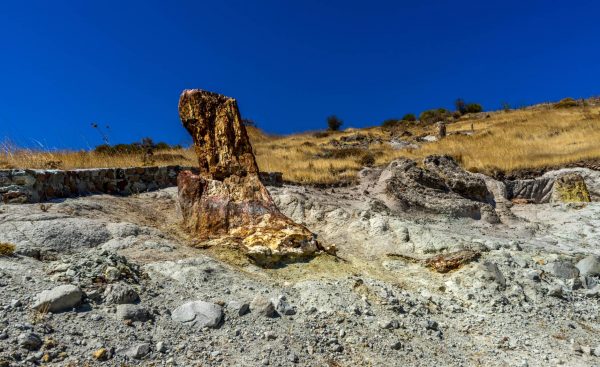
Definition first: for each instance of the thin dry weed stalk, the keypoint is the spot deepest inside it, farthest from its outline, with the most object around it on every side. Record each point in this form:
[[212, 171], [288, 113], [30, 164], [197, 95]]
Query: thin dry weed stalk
[[39, 315]]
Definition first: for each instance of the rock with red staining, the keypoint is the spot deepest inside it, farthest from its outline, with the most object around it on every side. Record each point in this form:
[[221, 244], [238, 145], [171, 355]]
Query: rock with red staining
[[446, 262], [227, 198]]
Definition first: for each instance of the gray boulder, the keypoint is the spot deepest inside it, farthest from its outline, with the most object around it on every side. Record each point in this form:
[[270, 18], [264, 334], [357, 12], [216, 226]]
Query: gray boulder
[[238, 308], [49, 231], [133, 313], [263, 306], [120, 293], [61, 298], [457, 179], [137, 351], [589, 266], [442, 187], [495, 272], [29, 341], [564, 270], [555, 291], [161, 347], [198, 314], [282, 306]]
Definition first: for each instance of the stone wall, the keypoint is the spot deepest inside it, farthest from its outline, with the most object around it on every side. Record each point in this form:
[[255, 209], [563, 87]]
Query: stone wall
[[32, 186]]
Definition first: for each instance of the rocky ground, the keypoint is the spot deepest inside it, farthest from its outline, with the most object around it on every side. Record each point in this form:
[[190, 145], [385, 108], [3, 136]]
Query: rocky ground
[[113, 281]]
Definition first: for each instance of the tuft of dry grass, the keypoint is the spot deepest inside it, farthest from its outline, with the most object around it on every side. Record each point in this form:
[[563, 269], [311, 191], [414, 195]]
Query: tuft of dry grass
[[7, 249], [530, 138], [38, 316]]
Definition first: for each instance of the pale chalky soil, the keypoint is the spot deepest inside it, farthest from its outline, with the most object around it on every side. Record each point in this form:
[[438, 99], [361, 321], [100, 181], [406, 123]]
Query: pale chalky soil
[[375, 306]]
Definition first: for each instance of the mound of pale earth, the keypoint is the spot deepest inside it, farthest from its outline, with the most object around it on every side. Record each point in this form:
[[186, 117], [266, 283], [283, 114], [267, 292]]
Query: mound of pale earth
[[519, 291]]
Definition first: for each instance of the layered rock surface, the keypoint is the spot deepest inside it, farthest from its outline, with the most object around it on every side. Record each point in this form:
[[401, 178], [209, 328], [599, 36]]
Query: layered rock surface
[[227, 197], [570, 187], [364, 307], [440, 187]]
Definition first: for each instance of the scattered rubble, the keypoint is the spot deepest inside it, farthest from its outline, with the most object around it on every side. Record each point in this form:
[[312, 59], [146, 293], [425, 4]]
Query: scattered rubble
[[358, 307]]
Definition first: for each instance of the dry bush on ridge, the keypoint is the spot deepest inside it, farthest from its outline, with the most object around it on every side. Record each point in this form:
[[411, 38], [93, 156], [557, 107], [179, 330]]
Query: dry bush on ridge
[[566, 103]]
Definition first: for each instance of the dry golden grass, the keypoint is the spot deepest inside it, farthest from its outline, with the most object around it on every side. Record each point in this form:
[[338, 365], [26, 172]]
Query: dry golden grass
[[303, 158], [523, 139], [504, 141], [7, 249], [11, 157], [541, 136]]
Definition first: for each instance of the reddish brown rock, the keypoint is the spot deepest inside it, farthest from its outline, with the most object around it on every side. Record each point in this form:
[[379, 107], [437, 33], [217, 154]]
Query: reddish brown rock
[[227, 198], [220, 138], [446, 262]]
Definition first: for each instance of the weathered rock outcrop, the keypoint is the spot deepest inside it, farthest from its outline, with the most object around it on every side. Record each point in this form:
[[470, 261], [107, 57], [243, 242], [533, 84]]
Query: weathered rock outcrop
[[457, 179], [567, 185], [537, 190], [441, 187], [227, 198], [570, 187]]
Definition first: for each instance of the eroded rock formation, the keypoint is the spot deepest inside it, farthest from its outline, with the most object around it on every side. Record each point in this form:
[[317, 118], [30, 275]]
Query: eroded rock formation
[[570, 187], [440, 187], [227, 198]]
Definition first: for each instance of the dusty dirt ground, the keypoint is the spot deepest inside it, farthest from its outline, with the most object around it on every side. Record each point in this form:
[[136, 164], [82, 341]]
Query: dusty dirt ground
[[517, 301]]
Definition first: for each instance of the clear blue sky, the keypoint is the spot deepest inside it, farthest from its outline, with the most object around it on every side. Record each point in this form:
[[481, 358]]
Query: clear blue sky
[[290, 64]]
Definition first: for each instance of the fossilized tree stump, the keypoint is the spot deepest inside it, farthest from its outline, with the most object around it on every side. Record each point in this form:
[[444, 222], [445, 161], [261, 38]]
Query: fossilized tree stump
[[227, 198], [441, 130]]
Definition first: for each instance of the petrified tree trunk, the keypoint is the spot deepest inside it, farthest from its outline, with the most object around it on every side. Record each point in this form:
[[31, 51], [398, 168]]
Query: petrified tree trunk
[[227, 198], [220, 138], [441, 130]]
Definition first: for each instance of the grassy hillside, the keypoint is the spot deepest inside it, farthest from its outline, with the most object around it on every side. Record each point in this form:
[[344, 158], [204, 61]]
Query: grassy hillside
[[523, 139], [530, 138]]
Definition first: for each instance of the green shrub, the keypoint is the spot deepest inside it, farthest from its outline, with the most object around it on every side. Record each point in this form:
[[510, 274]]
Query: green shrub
[[320, 134], [390, 123], [145, 145], [367, 160], [410, 117], [334, 123], [566, 103], [434, 115], [473, 108], [461, 106], [161, 146], [342, 153]]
